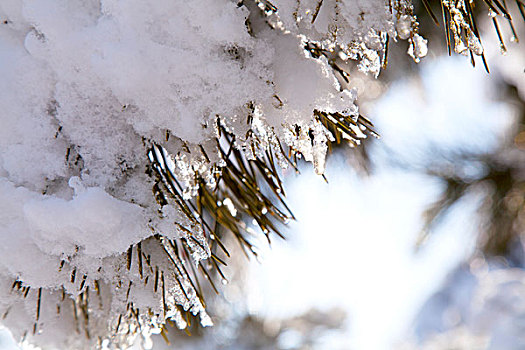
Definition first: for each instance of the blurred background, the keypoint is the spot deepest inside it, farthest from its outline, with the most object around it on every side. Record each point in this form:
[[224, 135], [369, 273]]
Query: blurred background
[[416, 241]]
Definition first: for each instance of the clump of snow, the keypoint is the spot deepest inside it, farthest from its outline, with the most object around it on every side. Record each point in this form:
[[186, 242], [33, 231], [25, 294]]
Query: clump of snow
[[89, 86]]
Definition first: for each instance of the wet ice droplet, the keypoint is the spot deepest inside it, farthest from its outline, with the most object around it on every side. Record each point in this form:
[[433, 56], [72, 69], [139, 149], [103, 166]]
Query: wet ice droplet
[[418, 47], [229, 205], [76, 184], [404, 27], [474, 44]]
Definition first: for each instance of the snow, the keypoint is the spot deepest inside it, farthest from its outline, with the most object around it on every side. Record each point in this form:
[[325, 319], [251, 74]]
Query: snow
[[56, 227], [88, 87]]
